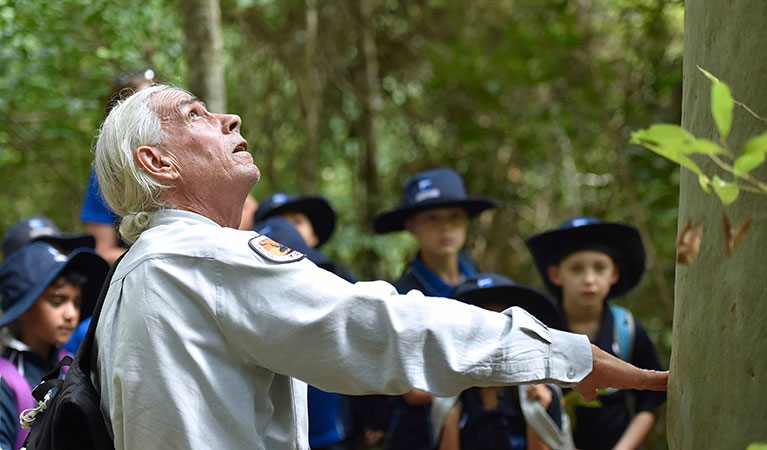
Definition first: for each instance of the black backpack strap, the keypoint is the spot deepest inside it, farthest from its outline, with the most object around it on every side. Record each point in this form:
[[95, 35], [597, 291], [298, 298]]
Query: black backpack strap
[[87, 354]]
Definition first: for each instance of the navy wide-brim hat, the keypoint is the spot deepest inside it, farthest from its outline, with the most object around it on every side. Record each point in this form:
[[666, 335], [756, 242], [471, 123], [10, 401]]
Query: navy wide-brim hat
[[491, 288], [317, 210], [279, 229], [435, 188], [42, 228], [29, 271], [619, 240]]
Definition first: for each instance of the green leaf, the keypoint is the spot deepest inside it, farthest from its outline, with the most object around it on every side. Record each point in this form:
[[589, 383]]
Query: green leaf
[[668, 141], [722, 105], [753, 155], [708, 75], [726, 191], [704, 146], [705, 183], [757, 446]]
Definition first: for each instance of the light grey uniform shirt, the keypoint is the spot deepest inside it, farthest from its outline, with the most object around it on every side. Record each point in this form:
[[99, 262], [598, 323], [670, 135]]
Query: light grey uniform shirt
[[203, 343]]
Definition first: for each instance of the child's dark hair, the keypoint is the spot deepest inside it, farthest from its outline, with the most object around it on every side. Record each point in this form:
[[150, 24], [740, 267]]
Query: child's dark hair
[[73, 275]]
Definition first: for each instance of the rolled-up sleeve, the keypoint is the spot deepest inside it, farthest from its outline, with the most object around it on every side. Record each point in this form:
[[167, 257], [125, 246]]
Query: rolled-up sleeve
[[298, 320]]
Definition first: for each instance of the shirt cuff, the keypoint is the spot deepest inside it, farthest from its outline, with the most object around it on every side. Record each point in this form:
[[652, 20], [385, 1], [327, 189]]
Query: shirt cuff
[[571, 358]]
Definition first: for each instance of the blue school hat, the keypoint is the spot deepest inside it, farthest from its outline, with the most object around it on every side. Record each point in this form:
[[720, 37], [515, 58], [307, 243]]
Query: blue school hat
[[436, 188], [619, 240], [27, 273], [279, 229], [316, 208], [41, 228], [492, 288]]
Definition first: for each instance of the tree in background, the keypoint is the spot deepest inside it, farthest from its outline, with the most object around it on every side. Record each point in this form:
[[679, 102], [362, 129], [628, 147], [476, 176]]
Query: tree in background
[[203, 50]]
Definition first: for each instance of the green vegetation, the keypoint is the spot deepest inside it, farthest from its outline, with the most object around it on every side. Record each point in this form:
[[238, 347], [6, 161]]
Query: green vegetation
[[675, 144]]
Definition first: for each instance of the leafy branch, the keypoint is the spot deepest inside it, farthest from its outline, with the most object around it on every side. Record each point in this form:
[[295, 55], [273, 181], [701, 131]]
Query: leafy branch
[[676, 144]]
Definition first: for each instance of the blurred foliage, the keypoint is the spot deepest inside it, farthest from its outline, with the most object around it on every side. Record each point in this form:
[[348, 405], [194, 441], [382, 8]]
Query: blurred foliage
[[531, 101]]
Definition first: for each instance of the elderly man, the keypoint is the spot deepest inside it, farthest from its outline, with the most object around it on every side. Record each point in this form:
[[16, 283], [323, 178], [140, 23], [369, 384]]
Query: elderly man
[[209, 334]]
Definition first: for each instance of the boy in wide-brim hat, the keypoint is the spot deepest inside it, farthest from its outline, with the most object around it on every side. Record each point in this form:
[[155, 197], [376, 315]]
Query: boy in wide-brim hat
[[311, 215], [584, 263], [435, 208], [510, 417], [42, 228], [44, 294]]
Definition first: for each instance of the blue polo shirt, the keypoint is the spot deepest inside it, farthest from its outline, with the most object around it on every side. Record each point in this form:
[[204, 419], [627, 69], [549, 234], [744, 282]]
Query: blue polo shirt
[[95, 209]]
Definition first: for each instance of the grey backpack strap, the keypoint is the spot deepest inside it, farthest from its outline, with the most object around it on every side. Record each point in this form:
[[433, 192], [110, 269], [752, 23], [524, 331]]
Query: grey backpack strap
[[536, 416]]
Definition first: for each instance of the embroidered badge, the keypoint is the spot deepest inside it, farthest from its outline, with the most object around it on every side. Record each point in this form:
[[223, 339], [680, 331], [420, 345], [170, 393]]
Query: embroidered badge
[[273, 250]]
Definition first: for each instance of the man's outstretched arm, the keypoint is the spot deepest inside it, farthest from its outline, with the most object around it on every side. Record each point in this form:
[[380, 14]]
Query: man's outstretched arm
[[609, 371]]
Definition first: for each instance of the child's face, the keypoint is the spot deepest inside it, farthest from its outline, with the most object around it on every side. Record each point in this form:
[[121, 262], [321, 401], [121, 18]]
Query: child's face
[[53, 317], [440, 231], [304, 227], [585, 277]]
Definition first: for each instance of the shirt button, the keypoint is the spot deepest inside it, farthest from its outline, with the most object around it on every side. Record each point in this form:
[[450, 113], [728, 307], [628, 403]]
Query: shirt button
[[571, 373]]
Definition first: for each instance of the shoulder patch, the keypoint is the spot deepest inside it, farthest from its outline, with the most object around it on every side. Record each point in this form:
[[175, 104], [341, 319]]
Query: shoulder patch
[[273, 250]]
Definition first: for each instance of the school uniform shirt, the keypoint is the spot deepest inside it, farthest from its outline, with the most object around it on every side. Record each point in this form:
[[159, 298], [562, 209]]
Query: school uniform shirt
[[94, 208], [32, 367], [410, 425], [501, 428], [207, 340], [601, 424], [419, 277]]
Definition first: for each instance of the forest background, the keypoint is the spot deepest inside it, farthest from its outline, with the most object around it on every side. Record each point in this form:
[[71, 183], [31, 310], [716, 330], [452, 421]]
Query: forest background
[[531, 101]]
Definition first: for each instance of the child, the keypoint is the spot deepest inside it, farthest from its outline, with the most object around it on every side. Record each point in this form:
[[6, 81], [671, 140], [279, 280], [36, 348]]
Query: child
[[435, 208], [44, 295], [312, 216], [511, 417], [585, 262]]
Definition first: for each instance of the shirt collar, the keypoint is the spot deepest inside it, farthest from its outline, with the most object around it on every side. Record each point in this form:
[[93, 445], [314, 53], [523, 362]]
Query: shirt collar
[[175, 216], [434, 284]]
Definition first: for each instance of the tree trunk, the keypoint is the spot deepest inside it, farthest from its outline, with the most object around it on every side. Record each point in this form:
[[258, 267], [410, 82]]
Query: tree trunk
[[369, 196], [372, 108], [202, 26], [717, 396], [311, 85]]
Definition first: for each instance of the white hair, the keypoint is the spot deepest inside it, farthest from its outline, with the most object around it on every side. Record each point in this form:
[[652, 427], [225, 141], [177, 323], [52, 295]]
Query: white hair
[[129, 191]]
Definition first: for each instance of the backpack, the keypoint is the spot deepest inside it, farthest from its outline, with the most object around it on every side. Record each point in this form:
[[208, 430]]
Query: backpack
[[22, 392], [624, 331], [71, 419]]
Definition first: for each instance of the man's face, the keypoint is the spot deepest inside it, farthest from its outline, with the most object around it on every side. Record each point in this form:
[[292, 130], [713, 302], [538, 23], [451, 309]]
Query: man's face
[[207, 149], [52, 319]]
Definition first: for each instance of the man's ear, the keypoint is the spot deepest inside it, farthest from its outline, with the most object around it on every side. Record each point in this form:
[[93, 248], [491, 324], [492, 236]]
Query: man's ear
[[553, 272], [156, 163]]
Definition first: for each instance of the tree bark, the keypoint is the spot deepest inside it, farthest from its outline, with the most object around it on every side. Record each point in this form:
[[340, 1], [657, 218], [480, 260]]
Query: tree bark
[[202, 27], [311, 85], [717, 393], [372, 108]]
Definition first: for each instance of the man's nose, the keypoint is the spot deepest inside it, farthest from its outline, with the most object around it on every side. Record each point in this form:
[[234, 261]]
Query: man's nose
[[230, 123]]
